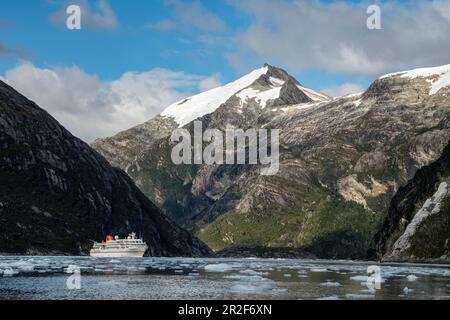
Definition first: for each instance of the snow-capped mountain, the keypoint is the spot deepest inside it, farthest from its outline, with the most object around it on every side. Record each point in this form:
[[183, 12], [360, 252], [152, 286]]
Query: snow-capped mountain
[[263, 85], [267, 90]]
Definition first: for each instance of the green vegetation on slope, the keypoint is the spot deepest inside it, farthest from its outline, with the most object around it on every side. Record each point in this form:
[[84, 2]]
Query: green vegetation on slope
[[336, 228]]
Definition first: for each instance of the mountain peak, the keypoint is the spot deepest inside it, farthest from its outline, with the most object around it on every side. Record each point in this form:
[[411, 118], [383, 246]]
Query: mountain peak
[[263, 85]]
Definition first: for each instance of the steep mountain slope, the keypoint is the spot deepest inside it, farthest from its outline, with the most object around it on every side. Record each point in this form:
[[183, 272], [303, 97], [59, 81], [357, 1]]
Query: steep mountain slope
[[418, 222], [342, 160], [57, 194]]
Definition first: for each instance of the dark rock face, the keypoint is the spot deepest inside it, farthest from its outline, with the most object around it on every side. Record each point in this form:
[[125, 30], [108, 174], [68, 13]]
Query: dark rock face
[[57, 194], [290, 94], [405, 205]]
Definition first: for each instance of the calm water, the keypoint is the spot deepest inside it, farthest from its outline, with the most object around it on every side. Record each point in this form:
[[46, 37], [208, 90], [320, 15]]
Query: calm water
[[186, 278]]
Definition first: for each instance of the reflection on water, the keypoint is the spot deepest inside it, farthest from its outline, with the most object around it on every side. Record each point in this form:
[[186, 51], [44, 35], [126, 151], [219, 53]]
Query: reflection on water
[[188, 278]]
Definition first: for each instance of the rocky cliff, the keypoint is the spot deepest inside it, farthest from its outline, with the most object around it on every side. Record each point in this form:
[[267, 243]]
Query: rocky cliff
[[341, 160], [57, 194], [417, 225]]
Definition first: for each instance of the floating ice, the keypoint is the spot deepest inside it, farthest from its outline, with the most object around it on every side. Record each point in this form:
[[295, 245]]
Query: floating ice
[[359, 278], [220, 267], [114, 261], [330, 284], [407, 290], [412, 278], [71, 269], [253, 272], [23, 266], [359, 296], [247, 278], [329, 298], [9, 272], [252, 288]]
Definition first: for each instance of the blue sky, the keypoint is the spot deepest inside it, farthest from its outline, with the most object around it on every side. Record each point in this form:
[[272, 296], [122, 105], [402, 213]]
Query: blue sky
[[133, 45], [324, 44]]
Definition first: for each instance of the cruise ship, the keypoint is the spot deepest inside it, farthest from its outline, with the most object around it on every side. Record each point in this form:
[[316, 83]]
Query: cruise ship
[[115, 247]]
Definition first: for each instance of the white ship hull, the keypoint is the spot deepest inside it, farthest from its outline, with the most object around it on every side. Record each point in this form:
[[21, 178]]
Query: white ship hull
[[117, 254]]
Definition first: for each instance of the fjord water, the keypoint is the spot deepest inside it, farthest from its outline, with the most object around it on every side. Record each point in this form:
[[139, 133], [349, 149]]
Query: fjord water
[[192, 278]]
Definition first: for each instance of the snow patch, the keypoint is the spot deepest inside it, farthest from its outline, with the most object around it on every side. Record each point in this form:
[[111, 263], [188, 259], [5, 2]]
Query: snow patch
[[431, 207], [187, 110], [314, 95], [442, 73], [276, 81], [262, 97], [307, 105], [351, 95]]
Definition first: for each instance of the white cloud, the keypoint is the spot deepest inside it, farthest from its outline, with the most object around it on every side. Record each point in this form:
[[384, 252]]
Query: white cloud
[[210, 83], [92, 108], [332, 36], [343, 89], [190, 14], [443, 7], [101, 16]]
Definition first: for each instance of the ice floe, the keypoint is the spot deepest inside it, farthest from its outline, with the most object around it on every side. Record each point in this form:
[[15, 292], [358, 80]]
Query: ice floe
[[220, 267], [330, 284], [412, 278]]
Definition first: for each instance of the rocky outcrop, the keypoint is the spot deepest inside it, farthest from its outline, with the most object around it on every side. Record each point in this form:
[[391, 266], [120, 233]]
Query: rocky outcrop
[[57, 195], [417, 225], [123, 148]]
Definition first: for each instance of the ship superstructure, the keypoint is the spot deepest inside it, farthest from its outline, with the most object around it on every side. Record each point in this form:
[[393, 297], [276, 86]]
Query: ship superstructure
[[116, 247]]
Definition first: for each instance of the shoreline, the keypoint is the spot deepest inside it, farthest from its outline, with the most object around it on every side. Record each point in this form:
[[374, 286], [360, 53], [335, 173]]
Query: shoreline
[[416, 263]]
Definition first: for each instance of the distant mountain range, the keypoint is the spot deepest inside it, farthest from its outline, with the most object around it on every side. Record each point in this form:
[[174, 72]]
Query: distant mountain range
[[342, 160], [58, 195]]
